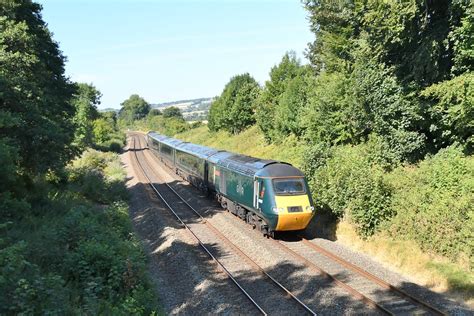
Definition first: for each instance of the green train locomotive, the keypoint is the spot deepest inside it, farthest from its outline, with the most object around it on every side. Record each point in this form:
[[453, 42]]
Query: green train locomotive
[[269, 195]]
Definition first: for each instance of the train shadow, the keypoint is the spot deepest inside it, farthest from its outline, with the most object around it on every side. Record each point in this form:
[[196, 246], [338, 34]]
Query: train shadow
[[168, 256], [154, 225], [188, 282]]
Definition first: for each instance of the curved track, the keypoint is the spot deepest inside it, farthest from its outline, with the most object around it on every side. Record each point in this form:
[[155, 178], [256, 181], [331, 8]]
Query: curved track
[[359, 283], [302, 307], [412, 300]]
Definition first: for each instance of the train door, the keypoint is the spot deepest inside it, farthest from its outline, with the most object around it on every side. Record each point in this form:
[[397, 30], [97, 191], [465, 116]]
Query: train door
[[222, 183], [258, 191], [206, 173]]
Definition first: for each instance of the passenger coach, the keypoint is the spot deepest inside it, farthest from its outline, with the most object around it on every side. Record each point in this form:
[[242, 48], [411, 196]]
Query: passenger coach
[[270, 195]]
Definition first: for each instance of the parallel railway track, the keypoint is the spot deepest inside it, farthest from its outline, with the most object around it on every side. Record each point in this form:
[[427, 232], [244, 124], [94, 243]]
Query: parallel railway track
[[395, 302], [372, 278], [209, 252]]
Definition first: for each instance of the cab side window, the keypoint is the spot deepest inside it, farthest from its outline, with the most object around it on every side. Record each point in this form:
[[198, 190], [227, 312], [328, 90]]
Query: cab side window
[[261, 194]]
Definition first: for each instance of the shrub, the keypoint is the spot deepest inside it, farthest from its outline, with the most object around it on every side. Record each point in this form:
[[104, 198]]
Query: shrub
[[346, 184], [24, 289], [98, 176], [434, 204]]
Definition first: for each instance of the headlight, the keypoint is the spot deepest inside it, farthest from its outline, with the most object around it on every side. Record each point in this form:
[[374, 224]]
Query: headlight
[[309, 208], [277, 209]]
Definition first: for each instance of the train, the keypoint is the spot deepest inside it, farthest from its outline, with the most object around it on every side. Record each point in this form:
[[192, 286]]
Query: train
[[270, 195]]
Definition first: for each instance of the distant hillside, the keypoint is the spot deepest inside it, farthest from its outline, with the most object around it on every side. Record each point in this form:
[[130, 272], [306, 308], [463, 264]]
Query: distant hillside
[[108, 110], [193, 110]]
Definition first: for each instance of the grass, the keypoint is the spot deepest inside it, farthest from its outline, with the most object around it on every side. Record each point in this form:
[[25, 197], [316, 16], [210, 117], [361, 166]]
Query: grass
[[407, 258], [404, 256]]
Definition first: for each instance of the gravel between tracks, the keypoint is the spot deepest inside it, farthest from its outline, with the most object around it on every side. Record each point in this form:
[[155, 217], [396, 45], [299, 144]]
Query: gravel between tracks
[[186, 280], [324, 297], [318, 293]]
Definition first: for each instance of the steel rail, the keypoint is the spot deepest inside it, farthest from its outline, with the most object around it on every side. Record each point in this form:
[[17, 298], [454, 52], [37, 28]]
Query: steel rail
[[332, 278], [229, 274], [371, 277], [227, 240], [345, 263], [239, 251], [308, 263]]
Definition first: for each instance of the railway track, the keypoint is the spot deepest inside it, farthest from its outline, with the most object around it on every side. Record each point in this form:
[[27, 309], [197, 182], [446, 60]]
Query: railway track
[[360, 284], [414, 302], [194, 228]]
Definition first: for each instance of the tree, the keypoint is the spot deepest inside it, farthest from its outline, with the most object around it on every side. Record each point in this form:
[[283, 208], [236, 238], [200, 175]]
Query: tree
[[102, 130], [234, 109], [216, 115], [154, 112], [390, 53], [280, 75], [35, 97], [134, 108], [292, 103], [241, 114], [334, 24], [452, 111], [86, 99], [172, 111]]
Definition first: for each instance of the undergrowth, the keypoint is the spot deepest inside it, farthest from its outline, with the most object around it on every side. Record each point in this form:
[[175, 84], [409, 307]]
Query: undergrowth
[[424, 210], [75, 253]]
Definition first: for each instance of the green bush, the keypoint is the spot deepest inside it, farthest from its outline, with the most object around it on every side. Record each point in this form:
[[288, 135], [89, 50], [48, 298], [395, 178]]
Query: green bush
[[98, 176], [345, 183], [25, 290], [435, 204]]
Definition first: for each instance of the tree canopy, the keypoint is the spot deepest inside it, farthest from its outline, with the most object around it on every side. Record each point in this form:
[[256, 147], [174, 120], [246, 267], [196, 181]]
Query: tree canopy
[[85, 101], [234, 109], [172, 111], [134, 108], [35, 109]]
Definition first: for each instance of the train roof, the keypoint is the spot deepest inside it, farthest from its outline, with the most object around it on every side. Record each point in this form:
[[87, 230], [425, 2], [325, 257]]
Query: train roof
[[279, 170], [173, 142], [197, 150], [156, 136], [190, 148], [243, 164]]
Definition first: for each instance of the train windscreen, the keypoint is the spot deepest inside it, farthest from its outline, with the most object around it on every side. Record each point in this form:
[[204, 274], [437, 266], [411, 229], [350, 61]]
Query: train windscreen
[[289, 186]]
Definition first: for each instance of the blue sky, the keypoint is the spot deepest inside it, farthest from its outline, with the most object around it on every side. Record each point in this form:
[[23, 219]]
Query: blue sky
[[173, 50]]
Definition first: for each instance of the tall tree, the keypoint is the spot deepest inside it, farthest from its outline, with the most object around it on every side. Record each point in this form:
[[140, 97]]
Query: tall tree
[[35, 108], [86, 100], [134, 108], [234, 109], [280, 75], [172, 111], [391, 52]]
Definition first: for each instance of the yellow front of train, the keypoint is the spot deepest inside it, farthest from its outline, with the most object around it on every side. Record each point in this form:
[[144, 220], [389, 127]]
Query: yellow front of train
[[292, 203]]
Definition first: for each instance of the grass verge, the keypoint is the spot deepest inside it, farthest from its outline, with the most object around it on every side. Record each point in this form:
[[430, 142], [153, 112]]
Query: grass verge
[[403, 255]]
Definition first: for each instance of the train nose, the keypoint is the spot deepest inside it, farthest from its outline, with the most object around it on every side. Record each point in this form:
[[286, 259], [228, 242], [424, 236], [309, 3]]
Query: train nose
[[293, 221]]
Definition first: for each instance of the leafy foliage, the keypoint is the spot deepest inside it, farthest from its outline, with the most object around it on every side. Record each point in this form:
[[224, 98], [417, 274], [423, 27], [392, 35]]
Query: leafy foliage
[[167, 126], [233, 110], [154, 112], [45, 120], [267, 103], [347, 184], [35, 109], [172, 111], [452, 111], [434, 204], [77, 257], [85, 101], [134, 108]]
